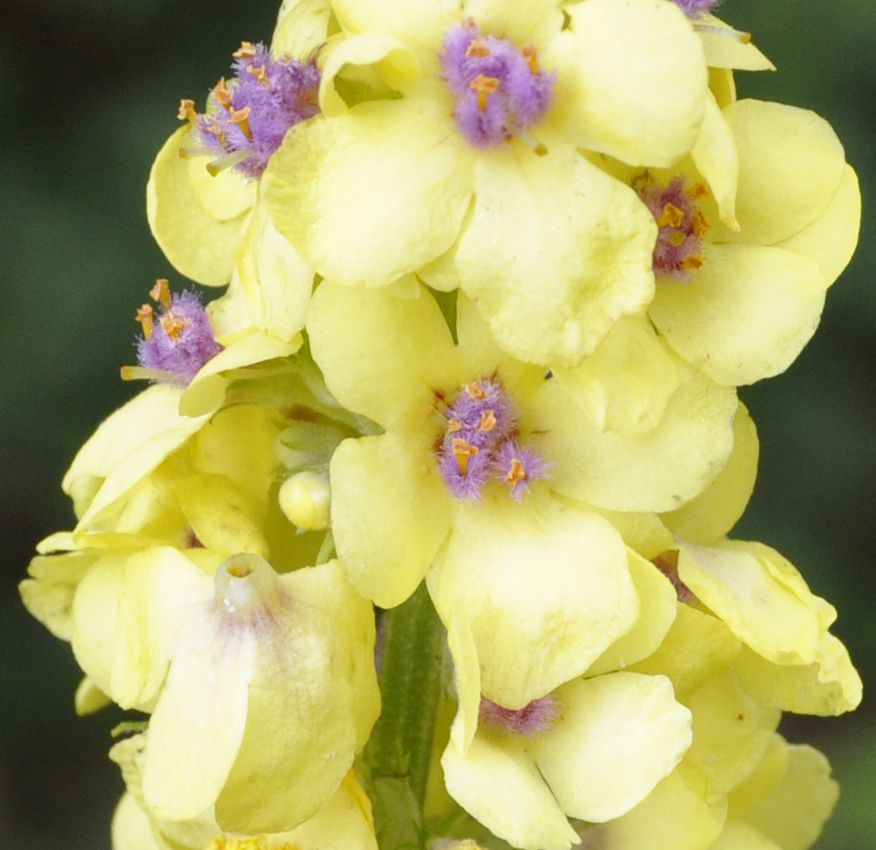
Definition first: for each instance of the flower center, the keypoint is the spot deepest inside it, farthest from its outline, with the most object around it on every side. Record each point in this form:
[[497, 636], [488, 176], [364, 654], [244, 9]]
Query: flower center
[[177, 341], [500, 90], [247, 117], [537, 716], [682, 225], [481, 443]]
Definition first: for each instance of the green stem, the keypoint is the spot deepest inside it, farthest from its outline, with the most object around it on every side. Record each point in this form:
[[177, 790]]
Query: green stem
[[400, 749]]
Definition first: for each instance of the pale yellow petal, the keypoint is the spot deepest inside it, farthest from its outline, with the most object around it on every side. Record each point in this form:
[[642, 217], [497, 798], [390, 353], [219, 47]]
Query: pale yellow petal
[[89, 698], [533, 22], [618, 736], [645, 533], [657, 606], [305, 706], [657, 470], [545, 589], [827, 687], [207, 390], [761, 782], [554, 252], [794, 814], [302, 26], [777, 617], [131, 829], [631, 80], [467, 677], [745, 315], [421, 25], [498, 784], [726, 47], [382, 356], [191, 226], [696, 648], [396, 63], [713, 513], [715, 157], [832, 238], [740, 836], [790, 165], [389, 180], [49, 591], [731, 733], [390, 513], [672, 817], [198, 725]]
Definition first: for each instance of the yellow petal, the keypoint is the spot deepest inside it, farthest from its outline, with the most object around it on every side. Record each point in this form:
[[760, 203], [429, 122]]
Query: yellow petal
[[657, 470], [534, 22], [555, 251], [544, 589], [48, 592], [827, 687], [89, 698], [131, 829], [390, 513], [207, 390], [746, 314], [759, 595], [714, 155], [725, 49], [467, 677], [310, 707], [731, 733], [395, 62], [498, 784], [740, 836], [644, 533], [672, 817], [761, 782], [794, 814], [790, 165], [632, 80], [832, 238], [302, 26], [194, 228], [382, 356], [657, 605], [697, 647], [618, 736], [389, 180], [713, 513]]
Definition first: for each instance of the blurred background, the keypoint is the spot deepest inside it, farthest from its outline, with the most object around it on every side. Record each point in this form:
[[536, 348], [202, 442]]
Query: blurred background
[[88, 93]]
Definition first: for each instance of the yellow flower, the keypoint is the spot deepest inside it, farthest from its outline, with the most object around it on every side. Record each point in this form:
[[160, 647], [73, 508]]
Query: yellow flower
[[264, 692], [412, 496], [478, 182], [740, 299]]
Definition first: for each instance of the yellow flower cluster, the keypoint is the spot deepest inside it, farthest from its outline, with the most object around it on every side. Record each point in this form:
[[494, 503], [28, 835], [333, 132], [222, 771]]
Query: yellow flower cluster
[[458, 450]]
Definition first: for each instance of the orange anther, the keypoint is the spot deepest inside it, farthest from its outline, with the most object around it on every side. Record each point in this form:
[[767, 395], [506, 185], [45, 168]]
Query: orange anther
[[186, 110], [246, 50], [453, 425], [530, 54], [517, 472], [222, 93], [462, 451], [260, 73], [475, 390], [145, 317], [488, 420], [478, 47], [484, 86], [173, 326], [161, 292], [240, 117], [671, 215], [692, 262]]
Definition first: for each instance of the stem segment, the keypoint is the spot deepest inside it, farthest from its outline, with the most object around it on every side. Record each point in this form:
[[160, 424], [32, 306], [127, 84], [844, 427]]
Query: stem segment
[[398, 754]]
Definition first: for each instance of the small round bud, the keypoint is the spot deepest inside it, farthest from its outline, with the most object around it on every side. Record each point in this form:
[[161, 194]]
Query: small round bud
[[305, 498]]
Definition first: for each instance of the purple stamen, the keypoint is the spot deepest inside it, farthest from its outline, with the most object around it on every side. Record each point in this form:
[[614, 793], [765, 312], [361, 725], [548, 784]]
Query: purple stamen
[[480, 443], [247, 118], [696, 8], [180, 342], [537, 716], [682, 225], [500, 91]]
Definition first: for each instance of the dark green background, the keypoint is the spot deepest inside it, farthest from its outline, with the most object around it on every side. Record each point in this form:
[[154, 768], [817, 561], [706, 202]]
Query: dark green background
[[88, 92]]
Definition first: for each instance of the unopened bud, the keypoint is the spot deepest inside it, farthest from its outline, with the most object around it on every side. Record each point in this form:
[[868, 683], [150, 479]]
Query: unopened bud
[[305, 499]]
